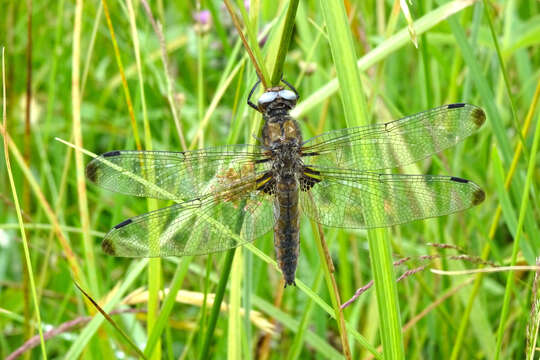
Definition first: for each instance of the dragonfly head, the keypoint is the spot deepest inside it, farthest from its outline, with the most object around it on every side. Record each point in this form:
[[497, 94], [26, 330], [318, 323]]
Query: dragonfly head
[[276, 98]]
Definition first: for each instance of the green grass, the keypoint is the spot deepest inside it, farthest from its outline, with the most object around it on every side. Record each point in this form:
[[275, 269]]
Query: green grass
[[366, 71]]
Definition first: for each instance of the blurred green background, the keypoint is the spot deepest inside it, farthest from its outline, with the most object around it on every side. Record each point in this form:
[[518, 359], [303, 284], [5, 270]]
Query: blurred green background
[[209, 76]]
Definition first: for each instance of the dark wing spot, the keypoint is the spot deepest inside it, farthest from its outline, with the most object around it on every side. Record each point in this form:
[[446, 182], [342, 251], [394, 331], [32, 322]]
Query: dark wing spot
[[309, 178], [266, 183], [111, 153], [479, 116], [479, 196], [91, 171], [108, 247], [456, 106], [459, 180], [123, 223]]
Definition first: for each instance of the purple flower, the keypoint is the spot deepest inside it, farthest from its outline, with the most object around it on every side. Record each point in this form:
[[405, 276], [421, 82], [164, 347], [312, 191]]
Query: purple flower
[[203, 17]]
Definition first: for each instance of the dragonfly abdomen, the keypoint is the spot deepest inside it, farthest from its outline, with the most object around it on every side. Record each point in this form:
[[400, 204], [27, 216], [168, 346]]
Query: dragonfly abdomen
[[287, 227]]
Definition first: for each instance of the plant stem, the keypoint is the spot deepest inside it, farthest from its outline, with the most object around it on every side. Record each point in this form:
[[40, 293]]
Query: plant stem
[[333, 290], [284, 42], [216, 307]]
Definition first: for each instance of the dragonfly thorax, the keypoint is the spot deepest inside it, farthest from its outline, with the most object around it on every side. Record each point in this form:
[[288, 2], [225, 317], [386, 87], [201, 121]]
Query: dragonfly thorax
[[286, 158]]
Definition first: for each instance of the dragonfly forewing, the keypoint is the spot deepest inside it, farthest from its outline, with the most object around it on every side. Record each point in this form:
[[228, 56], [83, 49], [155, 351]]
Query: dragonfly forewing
[[396, 143], [174, 175]]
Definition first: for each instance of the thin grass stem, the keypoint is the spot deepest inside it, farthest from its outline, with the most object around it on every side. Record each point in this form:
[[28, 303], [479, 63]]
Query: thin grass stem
[[522, 211], [493, 228], [214, 315], [28, 260]]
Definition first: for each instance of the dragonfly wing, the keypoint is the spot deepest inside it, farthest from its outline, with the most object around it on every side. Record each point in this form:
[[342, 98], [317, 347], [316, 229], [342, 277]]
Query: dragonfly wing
[[174, 175], [354, 199], [202, 226], [395, 143]]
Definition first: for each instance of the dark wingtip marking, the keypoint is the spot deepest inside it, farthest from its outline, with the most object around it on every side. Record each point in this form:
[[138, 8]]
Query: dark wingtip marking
[[459, 180], [456, 106], [479, 116], [108, 247], [123, 223], [111, 153], [479, 196]]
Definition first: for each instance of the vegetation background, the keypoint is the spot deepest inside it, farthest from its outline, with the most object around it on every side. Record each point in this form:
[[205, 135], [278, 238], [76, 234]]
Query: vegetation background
[[92, 73]]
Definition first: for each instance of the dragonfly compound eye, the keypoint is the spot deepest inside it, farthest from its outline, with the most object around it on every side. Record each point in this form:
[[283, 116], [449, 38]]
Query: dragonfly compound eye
[[267, 97], [287, 95]]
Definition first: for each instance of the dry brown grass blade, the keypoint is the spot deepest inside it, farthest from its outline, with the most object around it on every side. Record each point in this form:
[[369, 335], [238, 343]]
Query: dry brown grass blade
[[334, 291], [238, 27], [112, 322], [67, 326], [77, 136]]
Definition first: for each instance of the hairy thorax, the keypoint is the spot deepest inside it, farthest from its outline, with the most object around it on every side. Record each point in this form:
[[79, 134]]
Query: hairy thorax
[[283, 139]]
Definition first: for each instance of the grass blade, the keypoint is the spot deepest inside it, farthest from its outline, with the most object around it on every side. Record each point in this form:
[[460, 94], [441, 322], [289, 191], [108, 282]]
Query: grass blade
[[284, 42], [209, 334], [28, 260], [354, 104], [517, 239], [80, 343]]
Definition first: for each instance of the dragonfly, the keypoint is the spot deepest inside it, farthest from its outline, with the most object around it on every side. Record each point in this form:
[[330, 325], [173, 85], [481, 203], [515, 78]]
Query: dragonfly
[[227, 196]]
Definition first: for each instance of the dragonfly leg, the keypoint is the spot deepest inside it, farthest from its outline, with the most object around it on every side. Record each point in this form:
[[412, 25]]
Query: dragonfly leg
[[250, 103], [290, 86]]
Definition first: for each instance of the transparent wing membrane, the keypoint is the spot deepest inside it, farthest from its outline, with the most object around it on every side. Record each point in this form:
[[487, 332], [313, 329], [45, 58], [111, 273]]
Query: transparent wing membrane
[[352, 199], [231, 189], [174, 175], [396, 143], [194, 227]]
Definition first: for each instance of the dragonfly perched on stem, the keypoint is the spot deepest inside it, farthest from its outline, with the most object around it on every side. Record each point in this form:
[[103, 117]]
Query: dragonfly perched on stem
[[229, 195]]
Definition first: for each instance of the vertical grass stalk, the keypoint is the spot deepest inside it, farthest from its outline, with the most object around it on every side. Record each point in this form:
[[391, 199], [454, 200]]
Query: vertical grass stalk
[[493, 228], [216, 307], [517, 239], [328, 269], [168, 76], [28, 261], [27, 151], [122, 75], [154, 264], [79, 163], [354, 104]]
